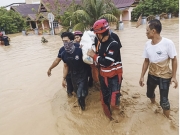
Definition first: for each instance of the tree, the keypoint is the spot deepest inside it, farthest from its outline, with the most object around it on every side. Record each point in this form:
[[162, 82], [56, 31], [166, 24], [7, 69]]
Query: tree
[[10, 21], [155, 7], [88, 12]]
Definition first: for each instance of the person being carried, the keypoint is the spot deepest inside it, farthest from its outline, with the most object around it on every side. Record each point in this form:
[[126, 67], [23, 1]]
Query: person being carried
[[57, 61], [77, 38], [108, 58], [72, 58], [157, 53]]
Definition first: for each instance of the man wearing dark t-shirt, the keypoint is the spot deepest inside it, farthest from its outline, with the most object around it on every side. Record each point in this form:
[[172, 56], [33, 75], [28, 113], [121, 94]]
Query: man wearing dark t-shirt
[[72, 58], [56, 62]]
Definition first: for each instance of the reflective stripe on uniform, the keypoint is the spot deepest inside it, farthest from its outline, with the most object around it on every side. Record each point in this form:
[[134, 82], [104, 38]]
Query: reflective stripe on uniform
[[111, 69], [113, 64], [111, 59], [110, 44], [97, 59]]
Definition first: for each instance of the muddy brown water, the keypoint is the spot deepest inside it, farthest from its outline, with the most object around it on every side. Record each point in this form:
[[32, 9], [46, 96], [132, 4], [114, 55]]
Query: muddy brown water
[[31, 103]]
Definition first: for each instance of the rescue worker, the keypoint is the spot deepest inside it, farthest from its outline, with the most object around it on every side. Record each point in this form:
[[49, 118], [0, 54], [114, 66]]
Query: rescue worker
[[57, 61], [108, 58], [77, 38], [95, 72], [72, 58]]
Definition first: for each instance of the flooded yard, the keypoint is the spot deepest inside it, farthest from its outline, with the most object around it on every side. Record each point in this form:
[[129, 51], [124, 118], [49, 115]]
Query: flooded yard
[[34, 104]]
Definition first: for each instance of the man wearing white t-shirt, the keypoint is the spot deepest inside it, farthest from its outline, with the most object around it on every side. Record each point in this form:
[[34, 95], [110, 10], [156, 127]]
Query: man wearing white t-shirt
[[157, 53]]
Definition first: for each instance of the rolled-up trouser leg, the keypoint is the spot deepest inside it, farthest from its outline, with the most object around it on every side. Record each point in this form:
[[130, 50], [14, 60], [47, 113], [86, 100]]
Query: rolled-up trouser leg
[[152, 82], [69, 84], [164, 90]]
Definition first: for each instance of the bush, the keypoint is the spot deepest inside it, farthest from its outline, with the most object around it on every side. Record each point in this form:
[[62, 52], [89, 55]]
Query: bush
[[10, 21], [155, 7]]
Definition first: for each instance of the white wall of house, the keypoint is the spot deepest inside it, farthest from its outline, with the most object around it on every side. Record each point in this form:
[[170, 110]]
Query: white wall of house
[[126, 14], [32, 1], [130, 10]]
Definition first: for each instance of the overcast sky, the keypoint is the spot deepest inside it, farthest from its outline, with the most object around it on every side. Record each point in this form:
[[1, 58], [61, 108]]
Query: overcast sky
[[8, 2]]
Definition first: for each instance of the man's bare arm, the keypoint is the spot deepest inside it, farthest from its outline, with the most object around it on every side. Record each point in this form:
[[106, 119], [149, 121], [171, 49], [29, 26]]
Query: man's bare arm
[[174, 69], [144, 69], [65, 72], [54, 64]]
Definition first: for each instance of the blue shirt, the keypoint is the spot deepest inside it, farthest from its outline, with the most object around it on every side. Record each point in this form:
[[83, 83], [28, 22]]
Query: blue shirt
[[62, 49], [74, 61]]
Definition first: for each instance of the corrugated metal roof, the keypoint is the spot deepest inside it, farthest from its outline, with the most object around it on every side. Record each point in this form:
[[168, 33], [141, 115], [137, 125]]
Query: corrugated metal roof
[[25, 9], [123, 3], [50, 4], [32, 17], [66, 3]]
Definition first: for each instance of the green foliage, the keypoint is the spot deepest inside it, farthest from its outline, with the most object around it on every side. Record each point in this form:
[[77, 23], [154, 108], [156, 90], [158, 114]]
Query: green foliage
[[83, 16], [155, 7], [10, 21]]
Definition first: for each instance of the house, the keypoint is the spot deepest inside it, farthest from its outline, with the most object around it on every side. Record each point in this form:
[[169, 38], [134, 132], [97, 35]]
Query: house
[[126, 6], [7, 7], [28, 11], [32, 1], [37, 14], [55, 6]]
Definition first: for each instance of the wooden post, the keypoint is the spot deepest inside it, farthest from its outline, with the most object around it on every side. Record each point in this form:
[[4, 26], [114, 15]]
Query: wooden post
[[120, 18], [42, 24], [30, 25], [36, 25]]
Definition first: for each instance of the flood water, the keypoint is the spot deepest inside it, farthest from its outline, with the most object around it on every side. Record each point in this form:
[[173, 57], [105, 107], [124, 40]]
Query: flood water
[[31, 103]]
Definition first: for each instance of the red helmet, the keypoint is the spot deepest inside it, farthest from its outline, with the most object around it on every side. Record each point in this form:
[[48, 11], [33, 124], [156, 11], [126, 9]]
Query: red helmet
[[1, 34], [100, 26], [78, 33]]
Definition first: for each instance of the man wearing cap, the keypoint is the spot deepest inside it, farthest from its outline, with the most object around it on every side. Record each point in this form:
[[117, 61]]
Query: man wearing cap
[[108, 58]]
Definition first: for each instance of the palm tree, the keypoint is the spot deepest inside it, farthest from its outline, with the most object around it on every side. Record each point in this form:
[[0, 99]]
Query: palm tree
[[91, 10]]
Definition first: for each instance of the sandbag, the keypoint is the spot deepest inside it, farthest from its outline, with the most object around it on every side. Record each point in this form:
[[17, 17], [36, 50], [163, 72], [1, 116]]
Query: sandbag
[[86, 42]]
